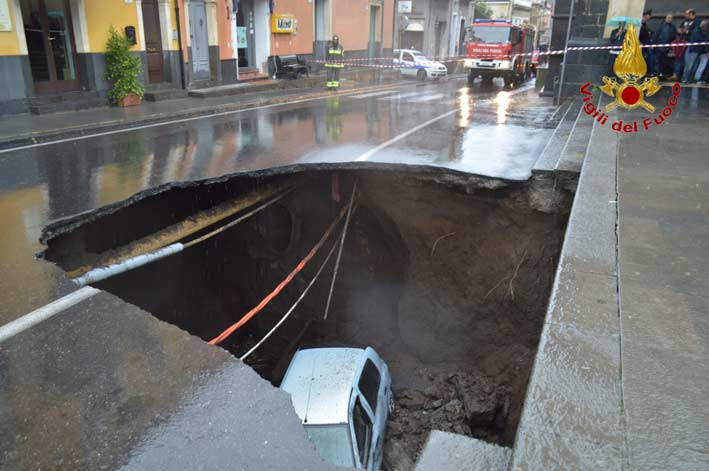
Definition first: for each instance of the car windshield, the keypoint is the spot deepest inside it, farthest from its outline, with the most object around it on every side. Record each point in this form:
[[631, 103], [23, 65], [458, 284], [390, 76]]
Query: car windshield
[[488, 34], [418, 55], [333, 443]]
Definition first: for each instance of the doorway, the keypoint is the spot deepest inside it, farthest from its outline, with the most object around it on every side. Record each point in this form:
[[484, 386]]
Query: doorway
[[50, 45], [153, 41], [199, 40], [245, 34]]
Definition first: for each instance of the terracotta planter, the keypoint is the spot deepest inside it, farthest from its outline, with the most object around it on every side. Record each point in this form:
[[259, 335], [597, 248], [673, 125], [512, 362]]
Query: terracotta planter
[[130, 100]]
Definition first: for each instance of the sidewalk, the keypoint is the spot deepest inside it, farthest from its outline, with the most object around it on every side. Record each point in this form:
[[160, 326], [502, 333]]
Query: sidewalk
[[25, 129], [621, 377], [663, 252]]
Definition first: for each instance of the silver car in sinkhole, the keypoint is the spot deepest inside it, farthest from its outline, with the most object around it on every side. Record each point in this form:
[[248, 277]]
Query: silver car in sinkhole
[[343, 397]]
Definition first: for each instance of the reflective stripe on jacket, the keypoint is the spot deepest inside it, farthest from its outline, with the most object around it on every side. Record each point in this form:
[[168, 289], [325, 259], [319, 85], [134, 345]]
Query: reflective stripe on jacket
[[334, 57]]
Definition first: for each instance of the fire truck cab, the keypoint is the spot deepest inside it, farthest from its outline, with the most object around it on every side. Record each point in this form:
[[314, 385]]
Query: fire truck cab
[[492, 50]]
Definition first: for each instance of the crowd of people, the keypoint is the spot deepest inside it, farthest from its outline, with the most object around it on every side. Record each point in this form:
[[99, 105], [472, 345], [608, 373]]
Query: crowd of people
[[687, 64]]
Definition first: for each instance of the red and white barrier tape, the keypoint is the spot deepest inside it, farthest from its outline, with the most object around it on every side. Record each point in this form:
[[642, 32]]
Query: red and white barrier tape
[[365, 61]]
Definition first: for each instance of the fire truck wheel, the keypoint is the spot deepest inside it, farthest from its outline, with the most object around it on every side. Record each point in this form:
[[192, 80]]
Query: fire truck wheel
[[509, 79], [471, 77], [421, 75]]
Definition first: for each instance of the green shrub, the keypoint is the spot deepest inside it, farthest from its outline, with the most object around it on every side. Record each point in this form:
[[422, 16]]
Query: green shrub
[[122, 67]]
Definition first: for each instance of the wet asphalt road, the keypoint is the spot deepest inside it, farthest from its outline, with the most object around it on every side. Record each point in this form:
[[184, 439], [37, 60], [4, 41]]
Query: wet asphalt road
[[485, 131]]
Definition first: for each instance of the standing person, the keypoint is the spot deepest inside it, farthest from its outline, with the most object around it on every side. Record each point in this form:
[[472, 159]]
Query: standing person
[[700, 34], [617, 38], [645, 38], [690, 23], [665, 34], [333, 62], [692, 57], [678, 51]]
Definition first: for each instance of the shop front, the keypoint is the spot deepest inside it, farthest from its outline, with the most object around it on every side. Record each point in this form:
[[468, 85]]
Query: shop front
[[53, 51], [51, 48]]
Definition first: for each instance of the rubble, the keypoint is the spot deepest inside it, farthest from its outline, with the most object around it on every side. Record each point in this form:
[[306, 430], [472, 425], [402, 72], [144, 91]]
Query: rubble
[[466, 403]]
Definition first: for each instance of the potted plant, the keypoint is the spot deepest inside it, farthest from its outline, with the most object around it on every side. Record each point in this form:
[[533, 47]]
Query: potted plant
[[123, 69]]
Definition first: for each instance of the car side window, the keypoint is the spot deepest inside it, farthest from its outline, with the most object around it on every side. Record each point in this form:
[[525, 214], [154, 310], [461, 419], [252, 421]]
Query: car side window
[[407, 57], [363, 432], [369, 384]]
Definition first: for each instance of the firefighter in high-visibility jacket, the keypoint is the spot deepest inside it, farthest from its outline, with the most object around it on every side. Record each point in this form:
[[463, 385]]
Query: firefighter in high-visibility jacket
[[333, 63]]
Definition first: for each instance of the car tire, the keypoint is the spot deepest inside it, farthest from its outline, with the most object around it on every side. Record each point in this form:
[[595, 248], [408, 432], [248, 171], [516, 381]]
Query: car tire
[[471, 77], [421, 75]]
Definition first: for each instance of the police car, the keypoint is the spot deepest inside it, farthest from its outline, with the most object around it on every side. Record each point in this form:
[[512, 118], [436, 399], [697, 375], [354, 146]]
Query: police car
[[414, 64]]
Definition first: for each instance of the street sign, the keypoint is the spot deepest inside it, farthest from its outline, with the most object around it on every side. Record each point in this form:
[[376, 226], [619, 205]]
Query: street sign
[[405, 6]]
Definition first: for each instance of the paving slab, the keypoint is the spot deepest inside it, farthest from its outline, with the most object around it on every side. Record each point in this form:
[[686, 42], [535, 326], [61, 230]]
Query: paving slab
[[446, 451], [663, 252]]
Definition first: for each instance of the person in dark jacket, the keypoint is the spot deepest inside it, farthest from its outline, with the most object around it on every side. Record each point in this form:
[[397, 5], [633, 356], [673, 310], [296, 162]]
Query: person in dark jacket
[[665, 34], [692, 55], [699, 52], [646, 38], [690, 21], [333, 63]]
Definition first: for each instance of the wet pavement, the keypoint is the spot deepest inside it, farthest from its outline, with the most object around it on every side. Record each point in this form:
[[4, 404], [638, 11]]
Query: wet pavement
[[486, 131], [621, 377]]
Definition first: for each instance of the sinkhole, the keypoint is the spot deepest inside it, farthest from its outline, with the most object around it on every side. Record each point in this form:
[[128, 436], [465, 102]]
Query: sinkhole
[[446, 274]]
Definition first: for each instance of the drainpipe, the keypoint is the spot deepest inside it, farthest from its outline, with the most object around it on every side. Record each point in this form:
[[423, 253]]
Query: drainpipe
[[179, 43]]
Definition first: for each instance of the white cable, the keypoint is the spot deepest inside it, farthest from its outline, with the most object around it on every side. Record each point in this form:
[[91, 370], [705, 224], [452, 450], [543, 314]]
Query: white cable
[[290, 311], [339, 252]]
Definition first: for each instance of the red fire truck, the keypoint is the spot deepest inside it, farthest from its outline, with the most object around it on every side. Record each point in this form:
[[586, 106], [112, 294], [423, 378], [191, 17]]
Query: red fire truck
[[492, 47]]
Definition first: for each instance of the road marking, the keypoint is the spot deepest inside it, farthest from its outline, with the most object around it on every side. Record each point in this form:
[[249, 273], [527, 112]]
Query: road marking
[[367, 95], [45, 312], [425, 98], [184, 120], [406, 134], [400, 95]]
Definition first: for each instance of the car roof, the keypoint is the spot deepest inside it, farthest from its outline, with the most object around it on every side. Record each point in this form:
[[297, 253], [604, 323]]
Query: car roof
[[320, 382]]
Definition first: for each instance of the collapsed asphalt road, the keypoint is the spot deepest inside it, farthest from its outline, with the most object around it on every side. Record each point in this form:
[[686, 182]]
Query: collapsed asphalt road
[[446, 275], [112, 168]]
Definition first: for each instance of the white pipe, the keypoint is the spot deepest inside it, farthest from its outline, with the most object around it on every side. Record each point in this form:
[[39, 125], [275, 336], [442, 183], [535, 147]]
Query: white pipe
[[45, 312], [98, 274]]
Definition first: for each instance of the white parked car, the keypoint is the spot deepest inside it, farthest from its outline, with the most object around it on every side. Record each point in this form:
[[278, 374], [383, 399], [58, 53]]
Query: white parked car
[[413, 63], [343, 396]]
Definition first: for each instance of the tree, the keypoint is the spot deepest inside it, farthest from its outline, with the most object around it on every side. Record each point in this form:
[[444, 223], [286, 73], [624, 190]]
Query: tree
[[482, 11]]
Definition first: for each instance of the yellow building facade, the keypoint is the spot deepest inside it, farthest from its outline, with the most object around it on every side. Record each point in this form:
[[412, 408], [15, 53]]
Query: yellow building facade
[[55, 47]]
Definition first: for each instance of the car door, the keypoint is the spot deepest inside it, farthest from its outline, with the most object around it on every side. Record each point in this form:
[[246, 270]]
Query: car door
[[408, 64], [374, 388], [361, 427]]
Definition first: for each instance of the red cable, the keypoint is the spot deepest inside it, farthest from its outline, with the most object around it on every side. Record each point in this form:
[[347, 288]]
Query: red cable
[[221, 337]]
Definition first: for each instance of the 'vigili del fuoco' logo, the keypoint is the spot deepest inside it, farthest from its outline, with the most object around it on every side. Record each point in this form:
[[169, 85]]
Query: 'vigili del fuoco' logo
[[631, 90]]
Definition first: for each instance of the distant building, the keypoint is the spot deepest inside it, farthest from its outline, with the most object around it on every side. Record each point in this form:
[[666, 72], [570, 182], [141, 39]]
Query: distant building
[[516, 10], [540, 18], [435, 27]]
